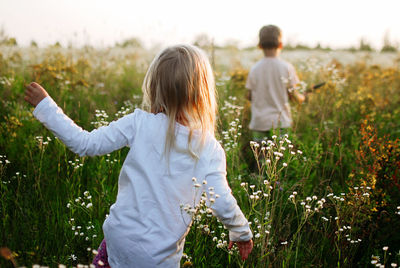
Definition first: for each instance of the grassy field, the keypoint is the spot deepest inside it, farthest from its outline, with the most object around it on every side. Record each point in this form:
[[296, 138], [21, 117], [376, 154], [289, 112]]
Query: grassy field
[[326, 195]]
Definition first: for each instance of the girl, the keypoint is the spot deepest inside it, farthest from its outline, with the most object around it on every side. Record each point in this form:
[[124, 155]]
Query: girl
[[172, 142]]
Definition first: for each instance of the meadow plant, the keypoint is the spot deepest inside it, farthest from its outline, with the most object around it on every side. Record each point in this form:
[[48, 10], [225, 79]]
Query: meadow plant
[[205, 229], [327, 196], [268, 196], [231, 132], [83, 231], [377, 261]]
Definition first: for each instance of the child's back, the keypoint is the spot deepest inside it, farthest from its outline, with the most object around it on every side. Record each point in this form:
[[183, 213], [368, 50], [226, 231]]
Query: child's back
[[269, 80], [270, 83], [147, 223], [171, 143]]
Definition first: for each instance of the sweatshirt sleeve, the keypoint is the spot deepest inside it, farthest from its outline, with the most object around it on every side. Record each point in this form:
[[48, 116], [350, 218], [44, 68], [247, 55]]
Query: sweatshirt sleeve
[[225, 207], [100, 141]]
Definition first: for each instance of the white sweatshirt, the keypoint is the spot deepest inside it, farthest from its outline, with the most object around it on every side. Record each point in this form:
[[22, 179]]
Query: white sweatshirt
[[147, 226]]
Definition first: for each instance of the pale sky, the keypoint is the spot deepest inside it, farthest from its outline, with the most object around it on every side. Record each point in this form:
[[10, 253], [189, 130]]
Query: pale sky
[[337, 23]]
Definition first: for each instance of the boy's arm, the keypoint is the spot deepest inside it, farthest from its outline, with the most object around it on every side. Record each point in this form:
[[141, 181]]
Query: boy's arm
[[249, 85], [296, 96], [293, 80], [248, 94], [97, 142]]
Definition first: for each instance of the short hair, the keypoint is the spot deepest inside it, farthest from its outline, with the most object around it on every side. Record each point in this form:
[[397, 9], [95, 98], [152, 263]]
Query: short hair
[[270, 37]]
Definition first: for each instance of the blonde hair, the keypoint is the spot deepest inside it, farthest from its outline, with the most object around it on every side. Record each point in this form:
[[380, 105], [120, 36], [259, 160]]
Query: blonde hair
[[180, 83], [270, 37]]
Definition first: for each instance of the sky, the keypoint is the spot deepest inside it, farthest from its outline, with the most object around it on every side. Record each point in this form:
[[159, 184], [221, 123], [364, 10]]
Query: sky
[[102, 23]]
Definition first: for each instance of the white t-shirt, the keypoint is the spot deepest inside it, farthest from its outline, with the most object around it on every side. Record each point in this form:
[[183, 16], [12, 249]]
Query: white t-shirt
[[147, 226], [269, 80]]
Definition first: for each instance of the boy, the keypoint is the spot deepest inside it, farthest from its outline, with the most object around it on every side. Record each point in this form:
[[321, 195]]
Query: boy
[[271, 82]]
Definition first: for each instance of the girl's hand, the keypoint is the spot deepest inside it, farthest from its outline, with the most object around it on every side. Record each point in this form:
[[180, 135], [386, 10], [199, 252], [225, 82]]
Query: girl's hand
[[34, 93], [245, 248]]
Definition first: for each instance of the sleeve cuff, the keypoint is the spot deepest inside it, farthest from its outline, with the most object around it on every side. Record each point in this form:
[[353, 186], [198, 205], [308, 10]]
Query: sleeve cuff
[[234, 236], [42, 106]]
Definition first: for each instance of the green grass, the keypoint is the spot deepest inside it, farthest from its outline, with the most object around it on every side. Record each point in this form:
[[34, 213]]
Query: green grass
[[347, 131]]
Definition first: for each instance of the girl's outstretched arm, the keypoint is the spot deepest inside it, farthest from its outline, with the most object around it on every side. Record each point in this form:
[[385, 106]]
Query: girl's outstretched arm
[[97, 142]]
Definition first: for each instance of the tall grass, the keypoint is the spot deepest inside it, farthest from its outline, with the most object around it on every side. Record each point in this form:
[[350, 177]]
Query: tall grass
[[328, 194]]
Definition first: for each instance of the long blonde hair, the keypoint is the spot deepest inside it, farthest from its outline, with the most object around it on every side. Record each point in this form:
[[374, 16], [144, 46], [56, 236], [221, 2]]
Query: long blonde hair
[[180, 83]]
